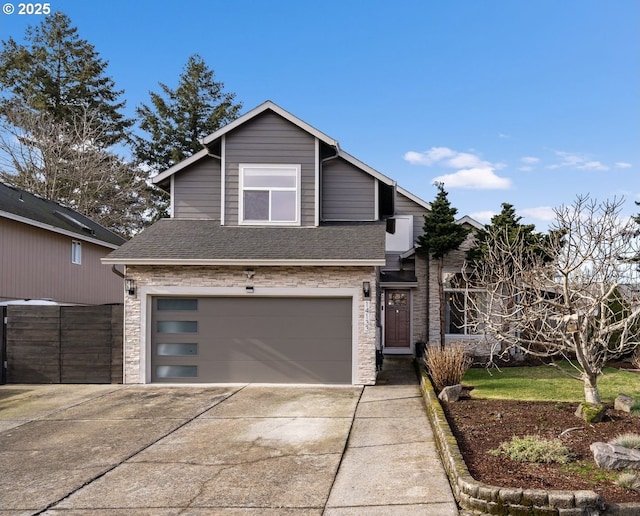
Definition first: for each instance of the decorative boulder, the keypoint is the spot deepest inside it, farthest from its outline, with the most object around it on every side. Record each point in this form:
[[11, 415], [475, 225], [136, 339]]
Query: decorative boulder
[[624, 402], [612, 456], [590, 412], [450, 393]]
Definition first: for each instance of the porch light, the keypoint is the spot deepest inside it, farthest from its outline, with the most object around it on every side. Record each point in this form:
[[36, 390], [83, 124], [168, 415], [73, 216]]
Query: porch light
[[130, 286], [366, 289]]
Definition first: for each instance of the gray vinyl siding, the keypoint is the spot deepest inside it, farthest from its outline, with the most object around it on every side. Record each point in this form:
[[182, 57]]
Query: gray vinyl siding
[[347, 192], [196, 193], [36, 264], [270, 139], [405, 206]]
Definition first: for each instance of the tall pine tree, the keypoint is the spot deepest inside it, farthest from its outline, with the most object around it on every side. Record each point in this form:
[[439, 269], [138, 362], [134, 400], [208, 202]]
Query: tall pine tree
[[441, 236], [60, 118], [58, 74], [177, 119]]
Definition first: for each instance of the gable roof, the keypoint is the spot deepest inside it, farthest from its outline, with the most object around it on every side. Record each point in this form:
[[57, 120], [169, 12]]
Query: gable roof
[[205, 242], [471, 222], [25, 207], [269, 106]]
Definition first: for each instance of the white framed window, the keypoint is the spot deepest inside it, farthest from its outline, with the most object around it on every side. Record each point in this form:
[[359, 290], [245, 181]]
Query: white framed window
[[76, 252], [269, 194], [462, 305]]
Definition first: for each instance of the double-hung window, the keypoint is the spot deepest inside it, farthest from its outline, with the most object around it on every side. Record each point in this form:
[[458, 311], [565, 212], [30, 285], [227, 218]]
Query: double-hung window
[[269, 194]]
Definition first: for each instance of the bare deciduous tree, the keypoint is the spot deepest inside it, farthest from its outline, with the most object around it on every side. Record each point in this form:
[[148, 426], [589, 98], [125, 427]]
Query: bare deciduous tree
[[64, 161], [576, 300]]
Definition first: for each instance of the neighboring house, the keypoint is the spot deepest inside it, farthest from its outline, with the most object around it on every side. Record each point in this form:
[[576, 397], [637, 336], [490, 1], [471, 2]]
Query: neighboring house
[[53, 253], [285, 260]]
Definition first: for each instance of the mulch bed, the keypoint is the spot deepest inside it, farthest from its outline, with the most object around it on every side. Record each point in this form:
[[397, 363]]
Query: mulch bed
[[482, 425]]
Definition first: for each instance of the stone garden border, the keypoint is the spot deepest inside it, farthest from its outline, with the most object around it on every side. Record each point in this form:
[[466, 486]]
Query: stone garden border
[[477, 497]]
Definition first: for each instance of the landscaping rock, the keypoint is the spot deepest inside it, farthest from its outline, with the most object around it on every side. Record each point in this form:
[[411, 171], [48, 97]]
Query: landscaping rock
[[612, 456], [624, 402], [590, 412], [450, 393]]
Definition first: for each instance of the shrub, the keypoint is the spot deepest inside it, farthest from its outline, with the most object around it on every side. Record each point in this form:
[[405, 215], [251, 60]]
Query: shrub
[[629, 481], [628, 440], [447, 366], [635, 358], [532, 448]]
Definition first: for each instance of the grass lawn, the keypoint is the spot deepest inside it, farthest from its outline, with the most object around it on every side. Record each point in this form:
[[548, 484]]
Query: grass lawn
[[546, 383]]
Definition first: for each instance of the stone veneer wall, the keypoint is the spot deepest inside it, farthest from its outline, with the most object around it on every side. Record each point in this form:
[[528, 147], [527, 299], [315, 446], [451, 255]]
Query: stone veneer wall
[[420, 301], [452, 262], [271, 277]]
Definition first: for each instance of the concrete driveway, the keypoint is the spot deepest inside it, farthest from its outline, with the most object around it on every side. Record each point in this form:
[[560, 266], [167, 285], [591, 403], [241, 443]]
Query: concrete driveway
[[241, 449]]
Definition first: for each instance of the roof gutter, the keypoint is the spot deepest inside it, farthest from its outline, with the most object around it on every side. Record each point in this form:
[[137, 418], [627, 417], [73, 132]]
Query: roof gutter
[[246, 262]]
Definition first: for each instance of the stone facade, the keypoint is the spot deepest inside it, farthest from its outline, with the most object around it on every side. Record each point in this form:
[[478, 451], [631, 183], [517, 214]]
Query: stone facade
[[158, 277], [453, 262]]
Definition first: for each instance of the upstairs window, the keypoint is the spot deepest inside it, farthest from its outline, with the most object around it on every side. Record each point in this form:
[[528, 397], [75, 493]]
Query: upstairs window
[[76, 252], [270, 194]]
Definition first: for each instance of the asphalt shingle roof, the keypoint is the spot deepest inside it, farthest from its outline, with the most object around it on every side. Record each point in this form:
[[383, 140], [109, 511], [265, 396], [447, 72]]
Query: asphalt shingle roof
[[206, 240], [21, 203]]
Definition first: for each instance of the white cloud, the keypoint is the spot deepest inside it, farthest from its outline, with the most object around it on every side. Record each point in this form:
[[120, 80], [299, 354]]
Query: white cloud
[[473, 171], [526, 169], [544, 213], [529, 160], [578, 161], [429, 157], [483, 216], [474, 178], [504, 136], [622, 164]]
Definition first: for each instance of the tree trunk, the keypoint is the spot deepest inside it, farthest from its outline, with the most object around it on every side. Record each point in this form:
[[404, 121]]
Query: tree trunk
[[591, 394]]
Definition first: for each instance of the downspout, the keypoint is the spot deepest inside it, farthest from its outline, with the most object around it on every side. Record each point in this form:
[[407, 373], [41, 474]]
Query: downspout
[[116, 271]]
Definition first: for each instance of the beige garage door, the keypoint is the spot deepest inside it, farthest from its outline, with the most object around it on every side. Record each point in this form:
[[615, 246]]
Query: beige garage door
[[271, 340]]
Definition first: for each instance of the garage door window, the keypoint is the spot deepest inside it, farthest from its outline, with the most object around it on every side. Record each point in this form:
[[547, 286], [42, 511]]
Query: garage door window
[[170, 304], [177, 327], [177, 350], [177, 371]]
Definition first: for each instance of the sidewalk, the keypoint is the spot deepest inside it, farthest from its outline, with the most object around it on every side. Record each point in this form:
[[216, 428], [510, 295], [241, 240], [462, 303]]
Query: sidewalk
[[391, 465]]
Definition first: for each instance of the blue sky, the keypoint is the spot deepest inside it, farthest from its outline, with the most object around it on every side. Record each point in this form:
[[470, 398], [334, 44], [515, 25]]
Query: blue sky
[[519, 101]]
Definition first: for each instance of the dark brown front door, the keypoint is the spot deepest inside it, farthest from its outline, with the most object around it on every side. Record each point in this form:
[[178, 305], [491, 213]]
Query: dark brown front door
[[396, 318]]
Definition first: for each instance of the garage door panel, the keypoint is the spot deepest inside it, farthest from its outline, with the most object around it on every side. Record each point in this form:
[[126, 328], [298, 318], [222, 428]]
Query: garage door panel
[[259, 349], [281, 340]]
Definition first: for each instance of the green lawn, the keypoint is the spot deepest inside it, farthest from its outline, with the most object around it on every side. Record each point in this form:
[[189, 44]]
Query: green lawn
[[545, 383]]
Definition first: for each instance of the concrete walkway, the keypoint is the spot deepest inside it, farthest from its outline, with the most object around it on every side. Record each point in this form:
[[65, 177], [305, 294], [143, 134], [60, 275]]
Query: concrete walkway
[[71, 450], [391, 465]]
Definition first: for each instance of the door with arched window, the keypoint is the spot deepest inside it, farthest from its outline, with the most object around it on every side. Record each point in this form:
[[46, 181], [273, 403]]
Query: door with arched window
[[397, 319]]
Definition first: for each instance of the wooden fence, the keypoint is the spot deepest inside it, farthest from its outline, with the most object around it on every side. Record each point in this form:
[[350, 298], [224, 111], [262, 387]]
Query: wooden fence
[[63, 344]]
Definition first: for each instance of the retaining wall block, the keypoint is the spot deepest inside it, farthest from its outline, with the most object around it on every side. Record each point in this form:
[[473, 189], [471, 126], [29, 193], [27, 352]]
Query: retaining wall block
[[535, 497], [488, 493], [561, 499], [511, 496]]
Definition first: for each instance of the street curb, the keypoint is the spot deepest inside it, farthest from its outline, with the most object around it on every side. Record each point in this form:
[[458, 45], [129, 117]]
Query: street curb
[[479, 498]]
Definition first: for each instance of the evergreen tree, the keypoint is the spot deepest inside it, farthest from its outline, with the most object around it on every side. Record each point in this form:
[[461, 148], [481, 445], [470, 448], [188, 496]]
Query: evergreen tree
[[506, 227], [59, 120], [58, 74], [441, 236], [177, 119]]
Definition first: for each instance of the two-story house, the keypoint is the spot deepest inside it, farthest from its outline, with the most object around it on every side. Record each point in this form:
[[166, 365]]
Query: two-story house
[[285, 260], [49, 251]]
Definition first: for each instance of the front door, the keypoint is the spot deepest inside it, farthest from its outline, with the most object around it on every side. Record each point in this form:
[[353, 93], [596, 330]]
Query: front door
[[397, 312]]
